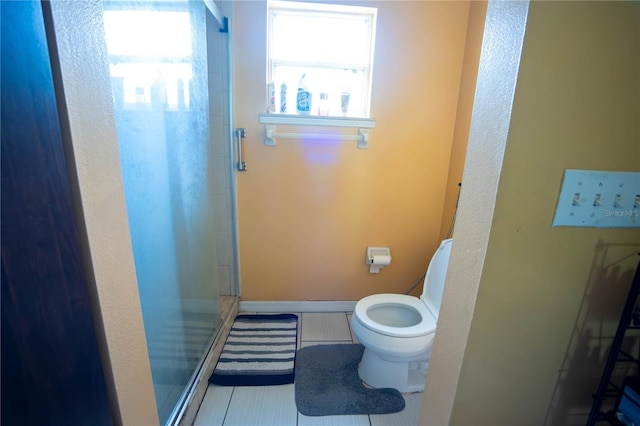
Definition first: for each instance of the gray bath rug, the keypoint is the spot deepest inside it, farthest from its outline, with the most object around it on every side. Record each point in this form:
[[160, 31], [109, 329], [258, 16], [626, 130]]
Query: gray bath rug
[[327, 384]]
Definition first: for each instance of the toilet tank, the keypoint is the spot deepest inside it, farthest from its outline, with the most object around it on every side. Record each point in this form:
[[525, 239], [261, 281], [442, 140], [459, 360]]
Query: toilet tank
[[436, 274]]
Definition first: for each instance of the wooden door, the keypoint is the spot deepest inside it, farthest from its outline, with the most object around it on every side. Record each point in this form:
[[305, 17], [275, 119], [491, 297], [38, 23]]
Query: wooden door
[[51, 367]]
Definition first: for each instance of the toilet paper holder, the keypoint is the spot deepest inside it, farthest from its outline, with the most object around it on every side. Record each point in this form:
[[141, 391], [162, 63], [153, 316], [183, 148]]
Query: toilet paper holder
[[377, 257]]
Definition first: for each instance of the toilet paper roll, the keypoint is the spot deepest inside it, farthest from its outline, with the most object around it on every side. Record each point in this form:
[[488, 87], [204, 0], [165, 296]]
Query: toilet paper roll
[[377, 262], [381, 260]]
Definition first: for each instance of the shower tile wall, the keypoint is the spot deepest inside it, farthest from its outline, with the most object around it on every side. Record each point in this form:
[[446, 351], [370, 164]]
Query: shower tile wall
[[221, 155]]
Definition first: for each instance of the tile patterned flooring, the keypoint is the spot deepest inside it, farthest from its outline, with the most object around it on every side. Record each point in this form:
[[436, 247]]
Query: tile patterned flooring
[[275, 405]]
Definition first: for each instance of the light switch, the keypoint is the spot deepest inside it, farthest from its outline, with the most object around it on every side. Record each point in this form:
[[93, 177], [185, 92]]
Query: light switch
[[599, 199]]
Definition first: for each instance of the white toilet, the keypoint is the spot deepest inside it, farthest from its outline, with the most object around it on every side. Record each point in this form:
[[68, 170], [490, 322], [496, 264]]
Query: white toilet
[[397, 330]]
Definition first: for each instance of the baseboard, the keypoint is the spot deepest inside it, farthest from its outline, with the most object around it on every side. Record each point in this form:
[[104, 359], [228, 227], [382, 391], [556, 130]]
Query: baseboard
[[298, 306]]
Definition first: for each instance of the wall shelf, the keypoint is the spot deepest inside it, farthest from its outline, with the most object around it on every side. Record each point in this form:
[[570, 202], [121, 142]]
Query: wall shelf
[[271, 120]]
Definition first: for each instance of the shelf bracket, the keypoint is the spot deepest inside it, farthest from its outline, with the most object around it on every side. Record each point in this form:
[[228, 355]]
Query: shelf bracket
[[269, 138], [363, 141]]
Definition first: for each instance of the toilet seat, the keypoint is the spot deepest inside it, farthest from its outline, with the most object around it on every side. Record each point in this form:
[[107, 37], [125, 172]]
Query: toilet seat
[[427, 325]]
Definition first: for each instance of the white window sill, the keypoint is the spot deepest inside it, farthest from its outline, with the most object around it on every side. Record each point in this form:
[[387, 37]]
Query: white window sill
[[313, 120]]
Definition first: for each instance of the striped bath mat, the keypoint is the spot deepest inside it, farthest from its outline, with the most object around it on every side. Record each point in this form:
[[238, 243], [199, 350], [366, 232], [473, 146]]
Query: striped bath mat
[[260, 351]]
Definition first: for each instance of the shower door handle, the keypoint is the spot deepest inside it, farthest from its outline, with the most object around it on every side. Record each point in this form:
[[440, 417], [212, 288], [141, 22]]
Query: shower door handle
[[240, 133]]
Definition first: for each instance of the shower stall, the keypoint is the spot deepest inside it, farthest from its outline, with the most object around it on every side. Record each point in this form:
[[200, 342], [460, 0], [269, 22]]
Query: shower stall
[[169, 67]]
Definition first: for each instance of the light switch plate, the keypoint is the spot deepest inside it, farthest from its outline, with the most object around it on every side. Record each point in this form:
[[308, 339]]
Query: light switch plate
[[599, 199]]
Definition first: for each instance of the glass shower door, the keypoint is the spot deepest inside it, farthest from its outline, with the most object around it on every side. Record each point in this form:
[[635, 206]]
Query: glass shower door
[[158, 65]]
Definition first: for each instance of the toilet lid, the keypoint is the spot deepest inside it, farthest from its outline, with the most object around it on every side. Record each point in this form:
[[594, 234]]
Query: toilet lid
[[426, 326]]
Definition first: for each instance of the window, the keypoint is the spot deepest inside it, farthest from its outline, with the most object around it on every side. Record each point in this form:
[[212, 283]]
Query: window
[[327, 48], [150, 53]]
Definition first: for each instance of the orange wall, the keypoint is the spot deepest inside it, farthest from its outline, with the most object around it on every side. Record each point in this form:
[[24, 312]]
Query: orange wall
[[477, 13], [309, 209]]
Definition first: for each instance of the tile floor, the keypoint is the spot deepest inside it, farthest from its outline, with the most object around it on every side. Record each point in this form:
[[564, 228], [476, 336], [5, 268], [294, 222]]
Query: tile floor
[[275, 405]]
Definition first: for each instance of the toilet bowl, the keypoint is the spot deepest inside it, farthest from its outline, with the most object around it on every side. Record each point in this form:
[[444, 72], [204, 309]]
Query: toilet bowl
[[397, 330]]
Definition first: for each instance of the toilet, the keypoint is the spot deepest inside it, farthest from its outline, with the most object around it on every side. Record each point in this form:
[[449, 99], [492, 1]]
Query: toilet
[[397, 330]]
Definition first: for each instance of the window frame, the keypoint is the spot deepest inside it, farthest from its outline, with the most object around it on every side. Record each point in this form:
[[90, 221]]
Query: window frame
[[369, 14]]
